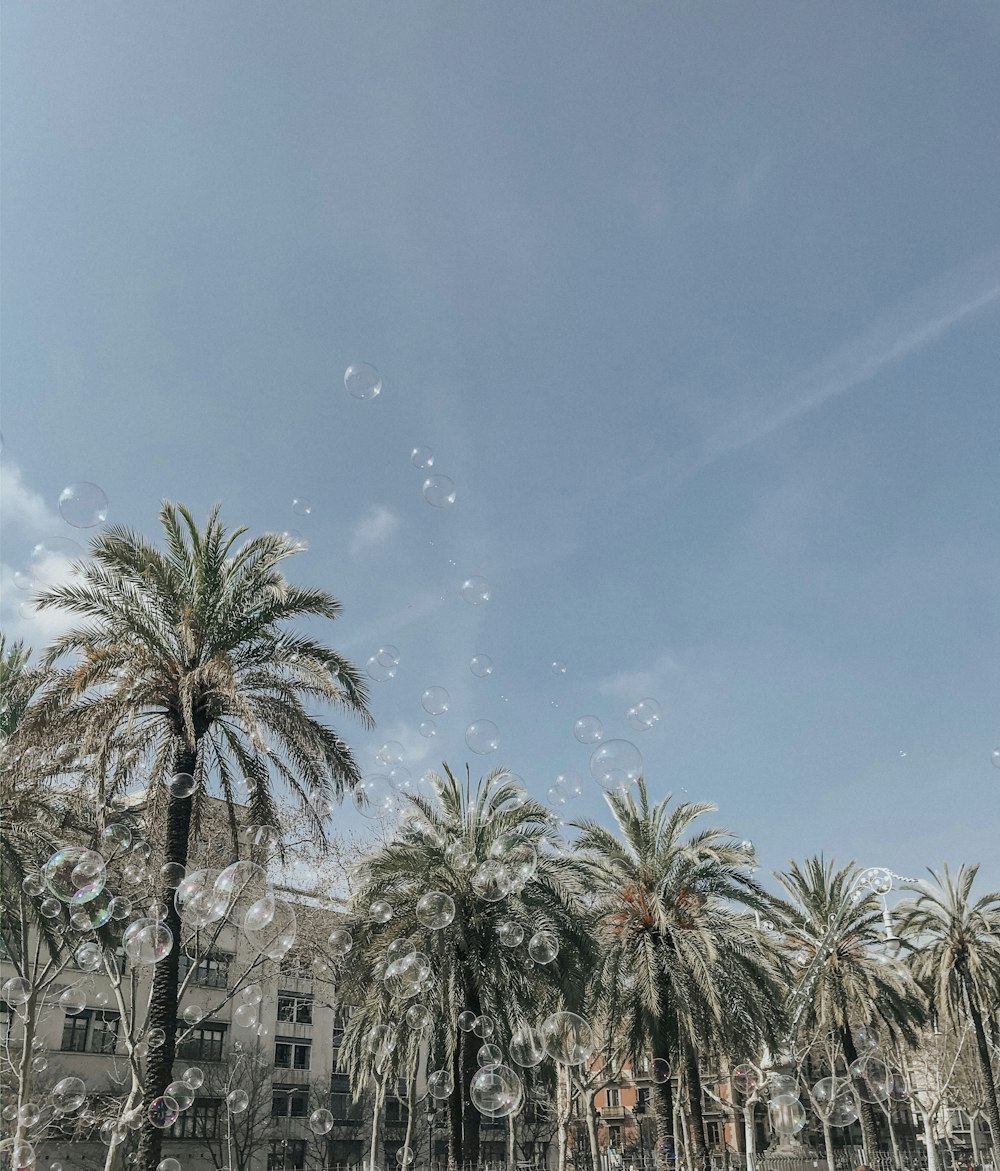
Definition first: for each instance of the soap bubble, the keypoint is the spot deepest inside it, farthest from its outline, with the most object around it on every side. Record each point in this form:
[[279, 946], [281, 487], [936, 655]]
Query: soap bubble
[[33, 885], [466, 1019], [192, 1014], [380, 911], [237, 1101], [865, 1039], [510, 934], [391, 752], [23, 580], [341, 940], [526, 1048], [489, 1056], [242, 882], [115, 837], [483, 1027], [52, 560], [83, 505], [481, 666], [422, 458], [871, 1078], [828, 1089], [275, 939], [172, 874], [259, 914], [180, 785], [435, 701], [321, 1121], [374, 797], [440, 1084], [419, 1017], [404, 976], [400, 947], [73, 1000], [155, 1038], [643, 715], [435, 910], [782, 1085], [75, 875], [362, 381], [87, 957], [404, 1156], [22, 1155], [439, 491], [787, 1116], [616, 764], [147, 941], [198, 900], [459, 857], [181, 1093], [162, 1112], [69, 1094], [496, 1093], [476, 590], [301, 506], [428, 729], [492, 881], [843, 1111], [483, 737], [381, 671], [995, 758], [588, 729], [568, 1038], [167, 1164], [193, 1076], [659, 1070], [558, 667], [543, 947]]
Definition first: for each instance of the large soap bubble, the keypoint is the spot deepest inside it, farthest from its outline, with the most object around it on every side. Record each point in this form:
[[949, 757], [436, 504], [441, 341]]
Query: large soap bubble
[[435, 701], [321, 1121], [275, 938], [75, 875], [568, 1038], [616, 764], [163, 1112], [374, 797], [644, 714], [483, 737], [440, 1084], [362, 381], [497, 1092], [83, 505], [439, 491], [492, 881], [198, 900], [435, 909], [543, 947], [147, 941], [69, 1094], [181, 1093], [526, 1048], [52, 560], [787, 1115], [871, 1078]]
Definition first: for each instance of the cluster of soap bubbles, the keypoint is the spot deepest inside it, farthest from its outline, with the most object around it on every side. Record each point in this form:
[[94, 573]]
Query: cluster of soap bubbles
[[383, 665], [178, 1096]]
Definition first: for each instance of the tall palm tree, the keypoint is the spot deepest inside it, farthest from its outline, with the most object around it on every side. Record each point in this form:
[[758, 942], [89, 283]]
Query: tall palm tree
[[477, 964], [832, 923], [955, 954], [683, 961], [183, 664]]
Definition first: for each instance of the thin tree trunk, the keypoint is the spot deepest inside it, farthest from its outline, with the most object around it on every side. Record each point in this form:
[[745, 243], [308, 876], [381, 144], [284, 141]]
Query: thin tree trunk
[[693, 1077], [163, 1002], [929, 1143], [510, 1140], [595, 1149], [379, 1099], [986, 1073], [564, 1104], [896, 1158], [869, 1128], [24, 1069], [750, 1137], [828, 1142]]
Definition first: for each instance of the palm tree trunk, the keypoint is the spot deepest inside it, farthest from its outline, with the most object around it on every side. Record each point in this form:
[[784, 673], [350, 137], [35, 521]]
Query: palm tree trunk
[[693, 1077], [455, 1110], [663, 1114], [869, 1128], [470, 1118], [986, 1073], [163, 1001]]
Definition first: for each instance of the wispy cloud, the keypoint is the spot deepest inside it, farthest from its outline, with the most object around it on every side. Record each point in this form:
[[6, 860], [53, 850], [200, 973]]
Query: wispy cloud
[[374, 529], [631, 686], [22, 507]]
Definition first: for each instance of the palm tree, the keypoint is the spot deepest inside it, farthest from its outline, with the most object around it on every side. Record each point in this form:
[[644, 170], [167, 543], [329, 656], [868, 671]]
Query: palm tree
[[832, 924], [184, 666], [477, 964], [955, 954], [684, 966]]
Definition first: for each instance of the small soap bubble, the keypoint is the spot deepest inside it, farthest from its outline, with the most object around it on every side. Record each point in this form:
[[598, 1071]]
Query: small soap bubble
[[616, 764], [588, 730], [428, 729], [435, 701], [83, 505], [476, 590], [483, 737], [644, 714], [439, 491], [422, 457], [481, 666], [362, 381], [301, 506], [558, 667]]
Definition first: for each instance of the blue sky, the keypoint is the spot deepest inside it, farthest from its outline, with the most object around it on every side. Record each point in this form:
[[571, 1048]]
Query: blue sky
[[697, 306]]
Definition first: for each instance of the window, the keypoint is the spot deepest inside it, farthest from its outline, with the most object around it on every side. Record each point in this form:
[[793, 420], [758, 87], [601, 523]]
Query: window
[[614, 1096], [642, 1104], [289, 1155], [289, 1102], [4, 1022], [395, 1110], [290, 1054], [615, 1137], [210, 972], [90, 1032], [716, 1134], [204, 1043], [340, 1095], [201, 1120], [296, 1010]]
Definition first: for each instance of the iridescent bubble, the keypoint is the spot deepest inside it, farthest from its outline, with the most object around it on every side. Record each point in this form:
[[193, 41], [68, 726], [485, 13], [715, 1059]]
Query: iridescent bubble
[[181, 1093], [435, 701], [871, 1079], [428, 729], [435, 910], [476, 590], [83, 505], [237, 1101], [492, 881], [440, 1084], [197, 900], [301, 506], [115, 837], [75, 874], [193, 1076], [162, 1112], [52, 560], [362, 381], [616, 764], [439, 491], [483, 737], [526, 1048], [496, 1093], [543, 947], [180, 785], [644, 714], [481, 666], [568, 1038], [341, 941], [69, 1094], [380, 911], [588, 730], [321, 1121], [422, 457], [147, 941]]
